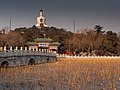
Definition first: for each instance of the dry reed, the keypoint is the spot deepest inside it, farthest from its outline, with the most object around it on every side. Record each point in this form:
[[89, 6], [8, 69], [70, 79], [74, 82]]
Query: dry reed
[[67, 74]]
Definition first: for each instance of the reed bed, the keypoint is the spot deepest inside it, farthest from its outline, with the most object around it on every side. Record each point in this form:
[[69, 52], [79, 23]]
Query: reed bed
[[65, 74]]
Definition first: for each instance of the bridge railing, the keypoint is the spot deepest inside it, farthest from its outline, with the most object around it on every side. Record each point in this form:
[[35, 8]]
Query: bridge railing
[[75, 56], [5, 53]]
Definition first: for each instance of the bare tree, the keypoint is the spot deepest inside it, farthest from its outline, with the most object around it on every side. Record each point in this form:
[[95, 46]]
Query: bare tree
[[14, 39]]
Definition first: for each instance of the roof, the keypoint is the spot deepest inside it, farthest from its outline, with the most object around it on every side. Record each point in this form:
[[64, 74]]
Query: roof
[[43, 40]]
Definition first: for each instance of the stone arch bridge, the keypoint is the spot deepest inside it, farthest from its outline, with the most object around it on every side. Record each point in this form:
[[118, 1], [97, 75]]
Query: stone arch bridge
[[23, 57]]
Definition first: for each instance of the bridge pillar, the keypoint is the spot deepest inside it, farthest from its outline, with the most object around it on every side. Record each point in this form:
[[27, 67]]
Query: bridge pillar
[[16, 48], [33, 49], [4, 48], [42, 50], [29, 48], [25, 48], [36, 49], [21, 48], [39, 50], [11, 48]]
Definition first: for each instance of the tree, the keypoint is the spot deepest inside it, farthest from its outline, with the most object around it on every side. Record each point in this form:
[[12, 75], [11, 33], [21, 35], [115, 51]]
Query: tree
[[110, 44], [98, 30], [2, 40], [14, 39]]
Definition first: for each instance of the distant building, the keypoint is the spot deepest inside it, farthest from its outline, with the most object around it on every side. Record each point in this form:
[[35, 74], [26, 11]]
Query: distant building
[[41, 20], [43, 45]]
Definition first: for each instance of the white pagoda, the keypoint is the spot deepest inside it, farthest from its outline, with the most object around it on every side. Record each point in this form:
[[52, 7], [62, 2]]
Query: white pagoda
[[41, 20]]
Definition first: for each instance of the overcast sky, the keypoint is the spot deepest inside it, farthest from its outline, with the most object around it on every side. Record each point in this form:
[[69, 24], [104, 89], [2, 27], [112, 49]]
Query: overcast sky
[[61, 13]]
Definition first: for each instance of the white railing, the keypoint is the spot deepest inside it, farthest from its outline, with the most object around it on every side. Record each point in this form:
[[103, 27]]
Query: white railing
[[70, 56], [23, 53]]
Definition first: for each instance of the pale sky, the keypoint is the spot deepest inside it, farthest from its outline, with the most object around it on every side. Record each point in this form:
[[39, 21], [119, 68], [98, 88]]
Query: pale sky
[[61, 13]]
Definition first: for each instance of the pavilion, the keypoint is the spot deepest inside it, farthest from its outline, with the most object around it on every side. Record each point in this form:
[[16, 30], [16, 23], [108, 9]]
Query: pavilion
[[43, 45]]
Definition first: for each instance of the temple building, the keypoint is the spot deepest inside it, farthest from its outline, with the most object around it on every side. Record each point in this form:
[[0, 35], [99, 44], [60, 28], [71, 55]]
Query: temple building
[[41, 20], [43, 45]]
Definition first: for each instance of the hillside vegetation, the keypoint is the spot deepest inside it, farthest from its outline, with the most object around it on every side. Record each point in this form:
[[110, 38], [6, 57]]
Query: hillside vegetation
[[87, 41]]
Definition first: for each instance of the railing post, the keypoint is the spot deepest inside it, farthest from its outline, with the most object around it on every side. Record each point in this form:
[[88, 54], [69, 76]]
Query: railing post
[[4, 48], [36, 49], [16, 48], [29, 48], [25, 48], [1, 48], [40, 50], [21, 48], [11, 48]]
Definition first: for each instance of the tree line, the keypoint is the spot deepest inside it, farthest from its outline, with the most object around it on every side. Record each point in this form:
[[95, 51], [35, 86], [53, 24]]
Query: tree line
[[86, 41]]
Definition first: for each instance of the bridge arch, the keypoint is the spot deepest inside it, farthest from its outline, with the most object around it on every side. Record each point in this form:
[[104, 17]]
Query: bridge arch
[[31, 62], [5, 63]]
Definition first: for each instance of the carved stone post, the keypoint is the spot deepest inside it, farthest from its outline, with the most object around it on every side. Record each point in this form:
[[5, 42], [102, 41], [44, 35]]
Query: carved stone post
[[29, 48], [21, 48], [4, 48], [25, 48], [16, 48], [11, 48]]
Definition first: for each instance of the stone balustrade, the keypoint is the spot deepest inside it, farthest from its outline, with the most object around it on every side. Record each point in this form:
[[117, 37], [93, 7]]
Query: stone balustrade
[[23, 49], [87, 57]]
